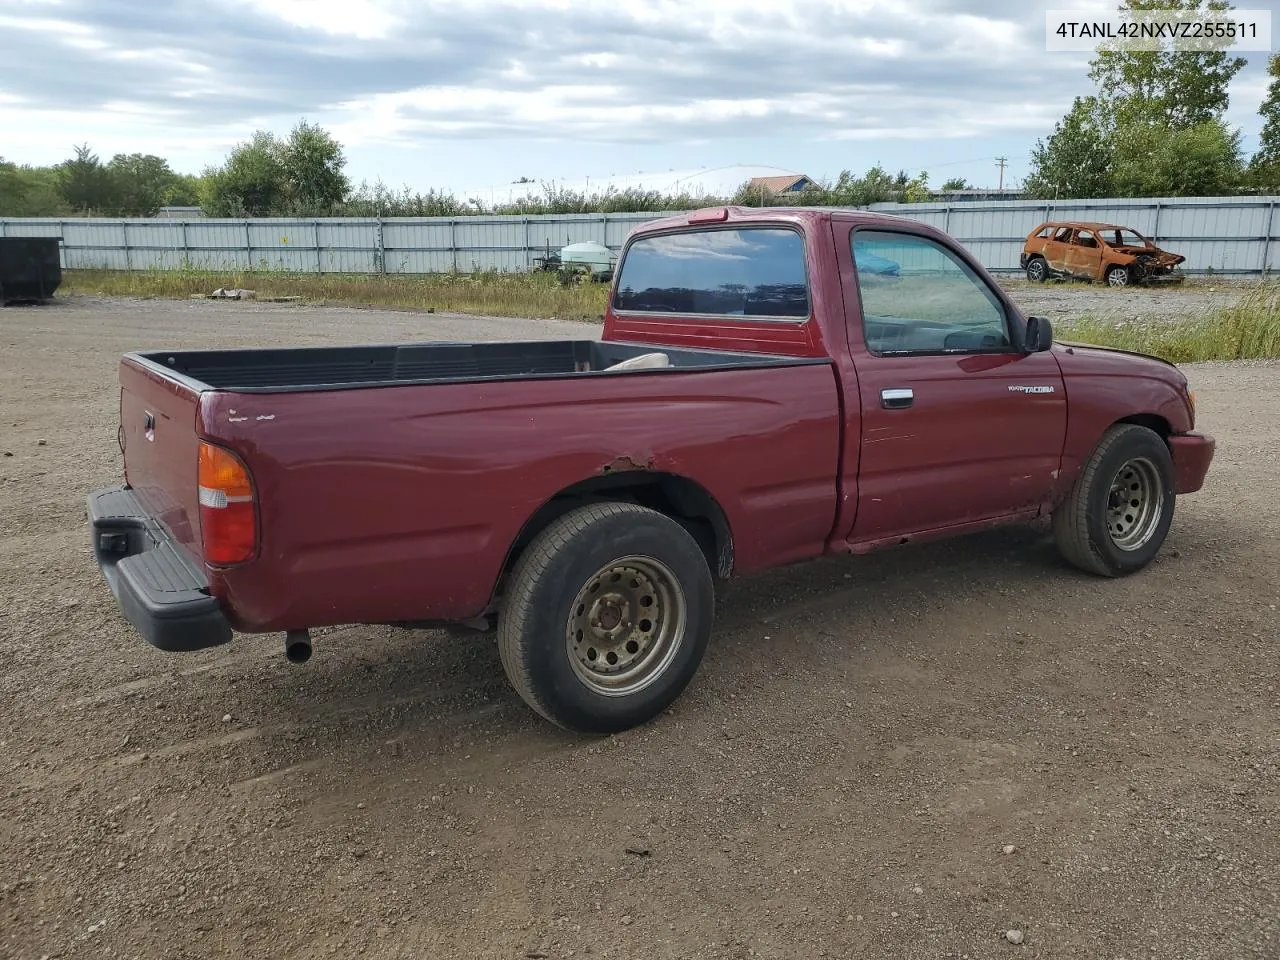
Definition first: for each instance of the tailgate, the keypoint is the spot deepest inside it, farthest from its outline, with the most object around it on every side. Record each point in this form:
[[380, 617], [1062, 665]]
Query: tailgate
[[158, 436]]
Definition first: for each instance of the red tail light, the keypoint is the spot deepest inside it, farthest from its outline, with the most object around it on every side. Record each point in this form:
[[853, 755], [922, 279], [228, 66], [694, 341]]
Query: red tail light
[[228, 516]]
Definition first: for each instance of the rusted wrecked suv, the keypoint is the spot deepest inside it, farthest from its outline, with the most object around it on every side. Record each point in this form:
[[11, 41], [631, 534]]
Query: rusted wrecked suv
[[771, 385], [1103, 252]]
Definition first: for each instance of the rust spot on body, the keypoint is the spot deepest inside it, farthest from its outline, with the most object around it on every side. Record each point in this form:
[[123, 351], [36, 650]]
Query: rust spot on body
[[626, 464]]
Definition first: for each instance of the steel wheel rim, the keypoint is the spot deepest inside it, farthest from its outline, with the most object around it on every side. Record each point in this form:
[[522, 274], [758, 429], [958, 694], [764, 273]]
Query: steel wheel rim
[[1135, 504], [626, 625], [1037, 269], [1118, 278]]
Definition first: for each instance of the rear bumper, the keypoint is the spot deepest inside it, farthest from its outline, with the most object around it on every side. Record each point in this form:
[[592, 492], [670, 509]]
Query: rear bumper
[[159, 589], [1192, 454]]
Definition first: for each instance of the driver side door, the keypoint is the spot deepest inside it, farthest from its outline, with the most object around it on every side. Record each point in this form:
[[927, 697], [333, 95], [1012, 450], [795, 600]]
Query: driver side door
[[958, 424]]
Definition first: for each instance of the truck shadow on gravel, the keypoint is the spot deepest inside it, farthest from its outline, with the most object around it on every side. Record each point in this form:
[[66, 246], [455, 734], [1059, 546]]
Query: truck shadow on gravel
[[421, 678], [933, 620]]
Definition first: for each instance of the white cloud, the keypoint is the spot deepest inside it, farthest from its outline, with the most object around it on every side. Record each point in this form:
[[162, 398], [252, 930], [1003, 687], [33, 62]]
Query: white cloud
[[364, 19], [769, 76]]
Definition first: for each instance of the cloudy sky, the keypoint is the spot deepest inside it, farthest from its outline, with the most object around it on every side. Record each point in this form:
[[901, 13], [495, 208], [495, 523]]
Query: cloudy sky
[[470, 95]]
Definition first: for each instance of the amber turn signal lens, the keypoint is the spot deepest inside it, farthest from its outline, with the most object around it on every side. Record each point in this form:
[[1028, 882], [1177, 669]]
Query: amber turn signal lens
[[228, 515]]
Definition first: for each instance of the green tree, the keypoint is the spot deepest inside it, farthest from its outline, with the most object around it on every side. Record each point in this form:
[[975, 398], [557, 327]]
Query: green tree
[[917, 190], [30, 192], [140, 184], [1264, 167], [85, 183], [1076, 159], [379, 200], [313, 162], [850, 190], [252, 183], [955, 183], [1152, 127], [183, 191], [267, 176], [1178, 88], [1153, 160]]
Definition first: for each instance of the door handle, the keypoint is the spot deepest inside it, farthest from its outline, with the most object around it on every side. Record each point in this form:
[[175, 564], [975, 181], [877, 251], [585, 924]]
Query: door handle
[[897, 398]]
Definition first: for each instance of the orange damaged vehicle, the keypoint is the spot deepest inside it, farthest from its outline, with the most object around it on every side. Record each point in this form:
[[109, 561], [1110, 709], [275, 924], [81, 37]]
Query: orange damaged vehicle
[[1103, 252]]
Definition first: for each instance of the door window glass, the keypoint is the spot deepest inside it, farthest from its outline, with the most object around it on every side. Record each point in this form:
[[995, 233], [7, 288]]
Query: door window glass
[[919, 297]]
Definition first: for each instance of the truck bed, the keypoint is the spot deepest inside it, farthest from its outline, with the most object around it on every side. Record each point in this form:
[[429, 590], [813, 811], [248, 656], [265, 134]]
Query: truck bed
[[390, 505], [330, 368]]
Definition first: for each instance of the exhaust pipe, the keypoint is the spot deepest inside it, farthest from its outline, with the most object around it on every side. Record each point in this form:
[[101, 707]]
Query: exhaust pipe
[[297, 646]]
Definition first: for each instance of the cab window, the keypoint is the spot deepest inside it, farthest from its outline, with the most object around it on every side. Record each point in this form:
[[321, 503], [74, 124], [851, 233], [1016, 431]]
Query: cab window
[[919, 297], [754, 272]]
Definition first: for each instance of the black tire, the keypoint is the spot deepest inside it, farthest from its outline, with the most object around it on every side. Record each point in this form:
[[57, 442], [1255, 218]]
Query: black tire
[[1037, 270], [544, 657], [1118, 276], [1128, 459]]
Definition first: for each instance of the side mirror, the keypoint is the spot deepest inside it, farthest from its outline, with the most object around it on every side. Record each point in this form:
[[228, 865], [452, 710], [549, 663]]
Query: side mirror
[[1039, 334]]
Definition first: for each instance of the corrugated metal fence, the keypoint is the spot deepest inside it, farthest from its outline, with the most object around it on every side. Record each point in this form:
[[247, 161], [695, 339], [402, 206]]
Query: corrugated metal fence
[[1227, 234]]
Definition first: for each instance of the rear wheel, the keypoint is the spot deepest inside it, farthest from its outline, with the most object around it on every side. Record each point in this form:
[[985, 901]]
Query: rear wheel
[[1118, 514], [1037, 270], [607, 618], [1117, 276]]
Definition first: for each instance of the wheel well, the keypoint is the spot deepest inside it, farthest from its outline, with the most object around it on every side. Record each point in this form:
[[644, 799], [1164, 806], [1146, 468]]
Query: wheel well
[[1152, 422], [680, 498]]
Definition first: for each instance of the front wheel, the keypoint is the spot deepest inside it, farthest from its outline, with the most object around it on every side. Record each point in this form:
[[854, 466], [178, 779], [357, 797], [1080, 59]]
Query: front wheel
[[1118, 276], [607, 618], [1037, 270], [1118, 513]]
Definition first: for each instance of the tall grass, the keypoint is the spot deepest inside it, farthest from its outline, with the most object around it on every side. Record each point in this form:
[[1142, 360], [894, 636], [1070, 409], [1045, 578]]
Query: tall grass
[[539, 295], [1248, 330]]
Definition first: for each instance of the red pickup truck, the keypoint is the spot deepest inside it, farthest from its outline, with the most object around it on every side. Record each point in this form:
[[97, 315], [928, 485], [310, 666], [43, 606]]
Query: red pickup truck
[[771, 385]]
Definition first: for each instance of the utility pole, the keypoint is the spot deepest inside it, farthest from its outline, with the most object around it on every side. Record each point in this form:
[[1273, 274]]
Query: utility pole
[[1000, 162]]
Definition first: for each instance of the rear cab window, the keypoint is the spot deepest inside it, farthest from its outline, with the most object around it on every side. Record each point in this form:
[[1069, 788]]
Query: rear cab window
[[751, 272]]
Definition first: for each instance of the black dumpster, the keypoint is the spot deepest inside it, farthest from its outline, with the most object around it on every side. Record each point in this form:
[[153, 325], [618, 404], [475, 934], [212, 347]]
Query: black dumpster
[[30, 269]]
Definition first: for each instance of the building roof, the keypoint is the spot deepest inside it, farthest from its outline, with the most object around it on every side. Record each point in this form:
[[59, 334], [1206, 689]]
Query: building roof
[[779, 184]]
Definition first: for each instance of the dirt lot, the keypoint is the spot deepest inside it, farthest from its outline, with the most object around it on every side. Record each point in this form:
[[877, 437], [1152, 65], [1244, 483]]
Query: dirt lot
[[841, 780], [1064, 300]]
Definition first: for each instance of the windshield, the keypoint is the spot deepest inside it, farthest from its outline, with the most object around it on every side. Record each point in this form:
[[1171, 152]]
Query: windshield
[[1124, 237]]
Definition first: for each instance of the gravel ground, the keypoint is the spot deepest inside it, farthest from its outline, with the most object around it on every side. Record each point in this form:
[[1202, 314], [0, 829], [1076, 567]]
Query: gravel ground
[[906, 755], [1065, 300]]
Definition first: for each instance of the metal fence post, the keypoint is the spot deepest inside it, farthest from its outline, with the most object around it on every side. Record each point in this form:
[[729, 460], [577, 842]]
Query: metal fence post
[[124, 232], [1266, 241], [1155, 227], [248, 247], [4, 230], [186, 252], [528, 245], [381, 250], [315, 229], [453, 242]]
